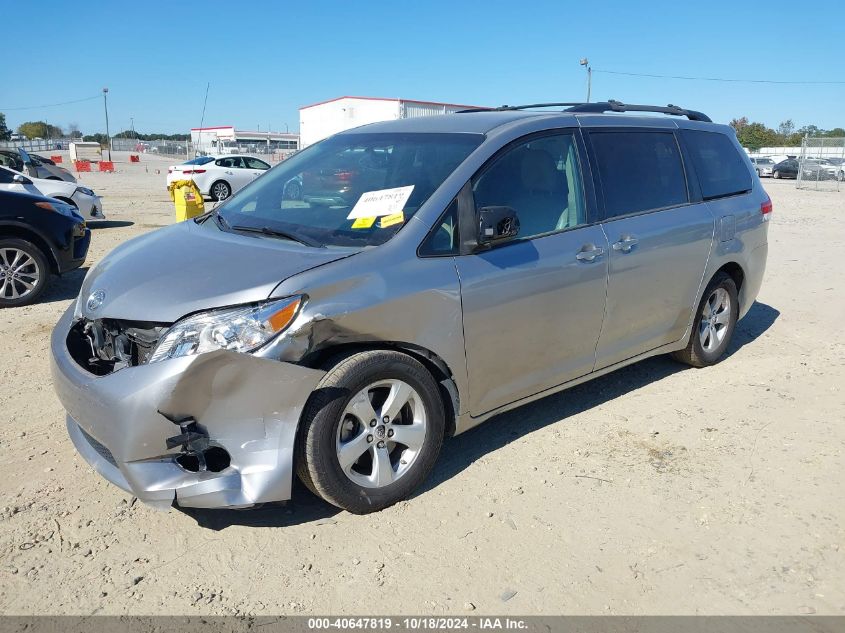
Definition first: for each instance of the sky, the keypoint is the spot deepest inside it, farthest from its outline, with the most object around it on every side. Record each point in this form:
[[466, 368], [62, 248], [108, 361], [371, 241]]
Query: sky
[[264, 60]]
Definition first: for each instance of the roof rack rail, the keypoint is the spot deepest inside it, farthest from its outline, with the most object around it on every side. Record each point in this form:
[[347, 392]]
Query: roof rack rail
[[618, 106], [599, 107], [505, 108]]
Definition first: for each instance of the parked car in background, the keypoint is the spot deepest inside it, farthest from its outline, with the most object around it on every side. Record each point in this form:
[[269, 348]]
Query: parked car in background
[[785, 169], [762, 165], [480, 261], [19, 160], [839, 165], [38, 236], [218, 177], [83, 199], [818, 169]]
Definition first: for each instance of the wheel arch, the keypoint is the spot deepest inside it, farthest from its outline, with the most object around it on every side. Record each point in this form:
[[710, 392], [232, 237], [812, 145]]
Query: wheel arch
[[432, 362], [28, 234], [735, 271]]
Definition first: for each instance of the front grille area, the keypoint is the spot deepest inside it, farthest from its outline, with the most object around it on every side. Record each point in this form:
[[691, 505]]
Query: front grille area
[[105, 346], [102, 451]]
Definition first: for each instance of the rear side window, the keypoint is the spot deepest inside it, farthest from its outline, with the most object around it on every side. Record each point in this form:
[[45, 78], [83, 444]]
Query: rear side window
[[639, 171], [721, 170]]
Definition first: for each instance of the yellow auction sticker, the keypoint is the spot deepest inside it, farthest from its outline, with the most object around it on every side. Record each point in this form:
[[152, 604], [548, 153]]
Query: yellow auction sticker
[[363, 223], [390, 220]]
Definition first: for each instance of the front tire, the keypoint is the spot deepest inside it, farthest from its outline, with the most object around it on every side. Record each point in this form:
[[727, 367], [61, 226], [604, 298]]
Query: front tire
[[776, 174], [714, 323], [371, 431], [23, 273]]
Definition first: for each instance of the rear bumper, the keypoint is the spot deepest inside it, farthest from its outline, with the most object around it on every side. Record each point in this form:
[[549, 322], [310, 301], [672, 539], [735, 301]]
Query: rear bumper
[[249, 406], [755, 268]]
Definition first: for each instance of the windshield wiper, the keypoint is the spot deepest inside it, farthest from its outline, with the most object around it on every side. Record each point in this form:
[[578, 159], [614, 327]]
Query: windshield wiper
[[288, 235], [221, 221]]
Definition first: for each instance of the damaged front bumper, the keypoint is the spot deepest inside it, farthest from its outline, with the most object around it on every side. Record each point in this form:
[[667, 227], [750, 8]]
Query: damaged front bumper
[[247, 406]]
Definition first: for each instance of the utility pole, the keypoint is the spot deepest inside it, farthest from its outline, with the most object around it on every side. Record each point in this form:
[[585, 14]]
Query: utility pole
[[132, 126], [106, 108], [586, 64]]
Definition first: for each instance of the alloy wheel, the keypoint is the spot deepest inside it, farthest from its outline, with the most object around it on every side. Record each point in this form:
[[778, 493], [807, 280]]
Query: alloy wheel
[[715, 320], [381, 433], [220, 191], [19, 273]]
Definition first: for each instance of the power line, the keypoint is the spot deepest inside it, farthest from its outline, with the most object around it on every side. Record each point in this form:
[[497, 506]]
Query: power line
[[50, 105], [748, 81]]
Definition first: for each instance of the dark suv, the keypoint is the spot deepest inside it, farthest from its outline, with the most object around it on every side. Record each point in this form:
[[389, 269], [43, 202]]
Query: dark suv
[[38, 236]]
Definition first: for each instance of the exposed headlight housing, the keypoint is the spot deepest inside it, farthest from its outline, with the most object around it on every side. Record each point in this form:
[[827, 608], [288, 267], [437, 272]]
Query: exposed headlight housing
[[240, 329], [86, 191]]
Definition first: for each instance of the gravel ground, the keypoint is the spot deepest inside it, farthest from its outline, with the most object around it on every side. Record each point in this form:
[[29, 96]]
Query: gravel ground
[[657, 489]]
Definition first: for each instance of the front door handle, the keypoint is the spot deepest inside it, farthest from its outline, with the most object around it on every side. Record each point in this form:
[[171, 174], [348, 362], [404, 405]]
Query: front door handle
[[625, 243], [589, 253]]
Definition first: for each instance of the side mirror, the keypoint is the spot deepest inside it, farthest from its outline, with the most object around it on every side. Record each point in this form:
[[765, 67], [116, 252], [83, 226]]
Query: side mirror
[[21, 179], [496, 224]]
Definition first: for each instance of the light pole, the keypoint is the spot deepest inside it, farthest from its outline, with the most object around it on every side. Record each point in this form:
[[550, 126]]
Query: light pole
[[106, 108], [586, 64]]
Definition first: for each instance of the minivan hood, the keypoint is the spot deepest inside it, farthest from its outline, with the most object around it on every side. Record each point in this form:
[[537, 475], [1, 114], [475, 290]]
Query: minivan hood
[[184, 268]]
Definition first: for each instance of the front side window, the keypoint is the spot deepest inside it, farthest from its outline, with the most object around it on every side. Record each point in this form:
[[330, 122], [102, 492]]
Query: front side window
[[315, 193], [720, 168], [639, 171], [540, 179]]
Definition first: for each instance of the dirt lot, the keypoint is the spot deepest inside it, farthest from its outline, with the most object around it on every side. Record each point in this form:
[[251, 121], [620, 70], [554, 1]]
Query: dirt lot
[[656, 489]]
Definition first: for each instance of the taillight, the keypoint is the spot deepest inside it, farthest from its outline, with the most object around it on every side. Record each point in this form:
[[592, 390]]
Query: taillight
[[202, 171], [344, 176], [766, 209], [193, 171]]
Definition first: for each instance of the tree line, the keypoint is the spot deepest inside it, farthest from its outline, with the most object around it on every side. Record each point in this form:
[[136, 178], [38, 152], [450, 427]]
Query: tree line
[[42, 129], [752, 135], [757, 135]]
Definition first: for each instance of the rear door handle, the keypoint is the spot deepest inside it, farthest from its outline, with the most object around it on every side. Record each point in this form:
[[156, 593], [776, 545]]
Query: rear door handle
[[589, 253], [625, 243]]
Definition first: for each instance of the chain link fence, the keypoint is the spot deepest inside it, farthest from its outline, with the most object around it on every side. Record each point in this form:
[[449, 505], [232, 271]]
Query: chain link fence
[[821, 164], [38, 145], [274, 151], [180, 149]]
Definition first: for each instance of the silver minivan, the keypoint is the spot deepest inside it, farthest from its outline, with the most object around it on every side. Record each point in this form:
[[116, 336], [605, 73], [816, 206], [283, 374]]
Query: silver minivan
[[433, 272]]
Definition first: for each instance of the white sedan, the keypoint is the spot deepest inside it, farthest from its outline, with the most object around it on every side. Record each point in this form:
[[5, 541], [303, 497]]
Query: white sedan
[[218, 176], [88, 203]]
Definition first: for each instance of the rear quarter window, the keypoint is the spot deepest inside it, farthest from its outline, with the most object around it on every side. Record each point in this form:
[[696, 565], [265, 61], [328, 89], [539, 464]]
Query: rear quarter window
[[720, 168]]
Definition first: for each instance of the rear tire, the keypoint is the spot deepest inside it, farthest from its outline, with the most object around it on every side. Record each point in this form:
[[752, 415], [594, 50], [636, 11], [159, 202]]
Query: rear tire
[[24, 272], [346, 452], [714, 324], [220, 190]]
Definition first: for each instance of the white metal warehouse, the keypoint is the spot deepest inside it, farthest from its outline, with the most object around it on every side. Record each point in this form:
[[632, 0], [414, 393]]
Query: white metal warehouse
[[320, 120]]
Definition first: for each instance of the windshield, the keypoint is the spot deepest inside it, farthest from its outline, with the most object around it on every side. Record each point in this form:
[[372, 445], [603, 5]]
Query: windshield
[[319, 193]]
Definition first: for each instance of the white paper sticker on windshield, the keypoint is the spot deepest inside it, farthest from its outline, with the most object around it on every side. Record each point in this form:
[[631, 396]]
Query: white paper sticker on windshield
[[381, 202]]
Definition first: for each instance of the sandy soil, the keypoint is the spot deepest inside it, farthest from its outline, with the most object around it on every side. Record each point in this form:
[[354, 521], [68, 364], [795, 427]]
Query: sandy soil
[[657, 489]]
